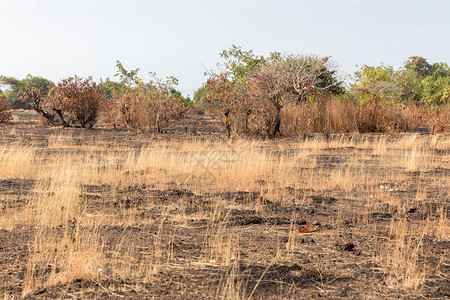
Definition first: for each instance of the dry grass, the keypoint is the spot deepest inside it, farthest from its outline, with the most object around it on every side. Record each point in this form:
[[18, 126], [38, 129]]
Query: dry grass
[[330, 114], [69, 241]]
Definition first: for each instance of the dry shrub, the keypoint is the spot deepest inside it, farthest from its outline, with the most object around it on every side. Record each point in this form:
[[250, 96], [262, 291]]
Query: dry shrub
[[5, 107], [418, 116], [252, 118], [74, 100], [80, 97], [145, 109], [442, 123], [423, 116], [375, 116]]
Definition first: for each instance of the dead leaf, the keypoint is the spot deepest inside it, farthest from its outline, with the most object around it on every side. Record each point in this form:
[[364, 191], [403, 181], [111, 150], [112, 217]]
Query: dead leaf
[[348, 247], [308, 228], [261, 200]]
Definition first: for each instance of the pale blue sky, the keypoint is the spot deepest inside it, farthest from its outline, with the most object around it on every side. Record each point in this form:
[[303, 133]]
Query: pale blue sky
[[58, 38]]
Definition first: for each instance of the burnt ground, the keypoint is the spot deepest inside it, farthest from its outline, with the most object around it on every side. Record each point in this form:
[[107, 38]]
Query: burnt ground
[[334, 262]]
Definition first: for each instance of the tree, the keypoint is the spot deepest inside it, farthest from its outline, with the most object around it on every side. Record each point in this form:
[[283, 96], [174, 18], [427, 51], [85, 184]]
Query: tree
[[227, 89], [167, 101], [410, 84], [79, 96], [419, 65], [291, 79], [239, 63], [377, 83], [431, 83], [436, 92], [5, 106], [254, 85], [73, 99], [34, 97], [440, 70], [221, 91], [127, 78], [15, 86], [144, 105], [427, 84]]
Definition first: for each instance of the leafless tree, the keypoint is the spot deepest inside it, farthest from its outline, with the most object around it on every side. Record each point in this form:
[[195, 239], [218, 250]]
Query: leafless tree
[[287, 79]]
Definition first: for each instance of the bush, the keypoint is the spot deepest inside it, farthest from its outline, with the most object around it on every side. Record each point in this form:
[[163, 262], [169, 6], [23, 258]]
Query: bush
[[5, 107], [146, 109], [375, 116], [72, 100], [80, 97]]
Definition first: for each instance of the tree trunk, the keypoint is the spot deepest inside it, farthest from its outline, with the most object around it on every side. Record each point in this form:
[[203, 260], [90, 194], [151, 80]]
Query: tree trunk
[[158, 125], [36, 104], [227, 123], [64, 122], [276, 129]]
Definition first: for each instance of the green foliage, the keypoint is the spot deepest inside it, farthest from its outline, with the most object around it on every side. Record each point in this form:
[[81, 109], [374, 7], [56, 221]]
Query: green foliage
[[428, 84], [239, 63], [328, 80], [425, 83], [410, 84], [177, 94], [436, 92], [201, 96], [14, 86], [368, 75], [419, 65], [109, 87], [129, 81], [127, 78], [440, 70]]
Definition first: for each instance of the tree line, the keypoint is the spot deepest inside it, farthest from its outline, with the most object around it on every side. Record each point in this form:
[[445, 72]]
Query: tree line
[[254, 95]]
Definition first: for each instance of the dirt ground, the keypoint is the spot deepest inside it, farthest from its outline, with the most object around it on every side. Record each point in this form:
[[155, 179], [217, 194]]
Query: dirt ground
[[286, 240]]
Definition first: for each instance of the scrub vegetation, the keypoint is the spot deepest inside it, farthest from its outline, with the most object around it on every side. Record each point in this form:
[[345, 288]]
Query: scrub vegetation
[[277, 181]]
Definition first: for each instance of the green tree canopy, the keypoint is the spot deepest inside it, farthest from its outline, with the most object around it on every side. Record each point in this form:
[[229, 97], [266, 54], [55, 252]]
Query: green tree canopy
[[13, 87], [418, 80], [238, 63], [419, 65]]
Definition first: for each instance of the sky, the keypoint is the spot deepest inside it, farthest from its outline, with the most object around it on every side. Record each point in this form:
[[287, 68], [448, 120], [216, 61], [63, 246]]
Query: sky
[[57, 39]]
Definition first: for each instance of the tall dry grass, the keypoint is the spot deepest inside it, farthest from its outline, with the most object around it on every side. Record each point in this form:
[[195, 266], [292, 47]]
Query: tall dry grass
[[331, 114], [67, 244]]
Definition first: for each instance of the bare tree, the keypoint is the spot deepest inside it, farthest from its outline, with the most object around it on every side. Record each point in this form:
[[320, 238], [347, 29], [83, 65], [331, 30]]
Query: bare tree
[[287, 79]]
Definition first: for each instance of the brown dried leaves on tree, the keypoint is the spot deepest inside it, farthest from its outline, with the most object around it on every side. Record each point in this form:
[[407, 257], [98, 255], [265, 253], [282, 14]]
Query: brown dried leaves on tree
[[73, 99], [5, 107], [79, 96]]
